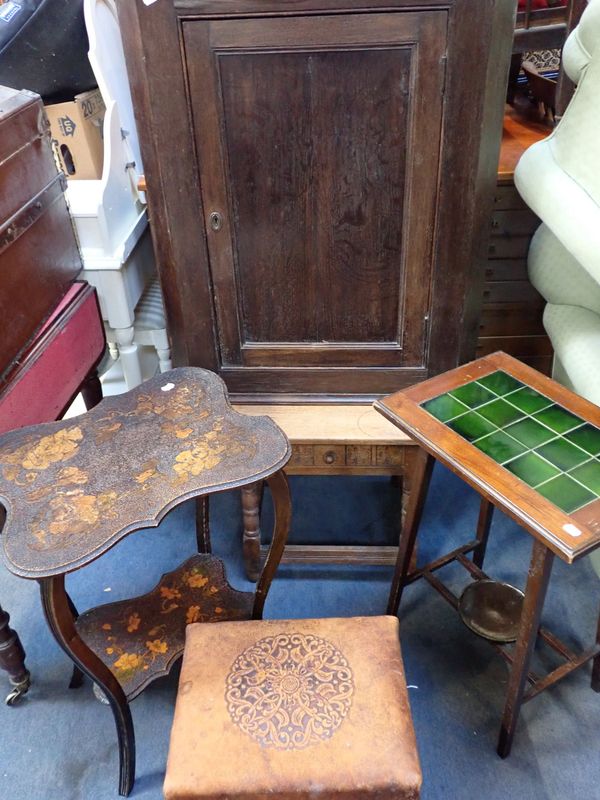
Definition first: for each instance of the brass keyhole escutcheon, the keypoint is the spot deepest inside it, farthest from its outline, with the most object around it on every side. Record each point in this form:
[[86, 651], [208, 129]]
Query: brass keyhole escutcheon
[[216, 220]]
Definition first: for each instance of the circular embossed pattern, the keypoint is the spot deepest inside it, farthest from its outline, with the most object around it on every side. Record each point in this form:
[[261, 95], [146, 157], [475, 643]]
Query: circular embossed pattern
[[289, 691]]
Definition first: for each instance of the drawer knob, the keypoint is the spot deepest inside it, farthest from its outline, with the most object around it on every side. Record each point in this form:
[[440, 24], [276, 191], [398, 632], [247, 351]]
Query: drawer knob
[[329, 457]]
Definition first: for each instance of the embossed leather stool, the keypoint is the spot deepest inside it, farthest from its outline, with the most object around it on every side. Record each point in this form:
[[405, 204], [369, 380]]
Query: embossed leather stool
[[293, 709]]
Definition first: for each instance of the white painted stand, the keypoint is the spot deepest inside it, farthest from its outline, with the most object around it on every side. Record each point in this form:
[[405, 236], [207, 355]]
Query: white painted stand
[[110, 214]]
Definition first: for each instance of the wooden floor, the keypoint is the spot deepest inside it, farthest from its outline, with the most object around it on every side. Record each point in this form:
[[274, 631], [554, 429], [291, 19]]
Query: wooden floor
[[522, 128]]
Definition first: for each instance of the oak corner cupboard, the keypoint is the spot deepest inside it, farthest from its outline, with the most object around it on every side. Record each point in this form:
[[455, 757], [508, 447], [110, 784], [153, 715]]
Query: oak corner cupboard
[[320, 179]]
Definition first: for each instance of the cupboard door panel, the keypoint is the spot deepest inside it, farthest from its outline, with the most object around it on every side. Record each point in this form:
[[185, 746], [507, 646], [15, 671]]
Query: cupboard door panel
[[318, 141], [313, 194]]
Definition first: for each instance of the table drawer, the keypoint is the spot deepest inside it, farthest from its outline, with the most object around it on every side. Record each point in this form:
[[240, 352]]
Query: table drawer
[[353, 457], [330, 455]]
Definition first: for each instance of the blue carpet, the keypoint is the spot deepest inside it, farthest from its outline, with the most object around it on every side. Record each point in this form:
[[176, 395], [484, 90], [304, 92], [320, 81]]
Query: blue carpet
[[60, 744]]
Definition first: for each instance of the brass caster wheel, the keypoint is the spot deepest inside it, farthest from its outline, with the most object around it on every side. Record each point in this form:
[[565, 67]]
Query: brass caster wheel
[[18, 690]]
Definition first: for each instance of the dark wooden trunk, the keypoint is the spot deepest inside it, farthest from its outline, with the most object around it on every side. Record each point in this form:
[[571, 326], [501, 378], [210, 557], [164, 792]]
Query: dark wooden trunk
[[39, 256], [320, 179]]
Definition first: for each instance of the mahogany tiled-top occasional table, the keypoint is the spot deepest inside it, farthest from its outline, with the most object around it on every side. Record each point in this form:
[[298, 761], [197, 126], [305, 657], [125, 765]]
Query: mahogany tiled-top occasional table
[[531, 448], [74, 489]]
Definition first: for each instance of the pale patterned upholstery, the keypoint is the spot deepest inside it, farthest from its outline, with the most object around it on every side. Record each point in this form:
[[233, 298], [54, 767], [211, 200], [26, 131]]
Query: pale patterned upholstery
[[558, 276], [575, 335], [559, 178]]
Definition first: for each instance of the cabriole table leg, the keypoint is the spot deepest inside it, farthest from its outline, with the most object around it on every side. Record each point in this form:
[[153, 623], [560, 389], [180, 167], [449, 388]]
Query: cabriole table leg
[[12, 659], [61, 620], [282, 505]]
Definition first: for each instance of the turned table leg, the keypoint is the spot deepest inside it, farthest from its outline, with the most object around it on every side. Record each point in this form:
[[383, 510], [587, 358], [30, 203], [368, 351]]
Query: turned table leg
[[535, 593], [415, 483], [251, 502], [12, 659], [202, 524], [61, 620]]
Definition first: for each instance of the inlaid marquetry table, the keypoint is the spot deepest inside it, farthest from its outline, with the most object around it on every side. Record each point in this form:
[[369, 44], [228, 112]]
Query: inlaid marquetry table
[[529, 447], [74, 489]]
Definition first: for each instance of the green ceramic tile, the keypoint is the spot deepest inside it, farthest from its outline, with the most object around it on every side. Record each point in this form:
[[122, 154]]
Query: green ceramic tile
[[444, 407], [586, 437], [562, 454], [471, 426], [565, 493], [589, 475], [500, 382], [528, 400], [532, 469], [472, 394], [530, 432], [500, 413], [500, 447], [557, 418]]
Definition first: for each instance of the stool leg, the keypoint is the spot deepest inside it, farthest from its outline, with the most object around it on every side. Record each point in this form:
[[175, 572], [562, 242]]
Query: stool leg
[[486, 510], [202, 525], [282, 504], [596, 663], [12, 659], [535, 592], [59, 616], [418, 473], [251, 501]]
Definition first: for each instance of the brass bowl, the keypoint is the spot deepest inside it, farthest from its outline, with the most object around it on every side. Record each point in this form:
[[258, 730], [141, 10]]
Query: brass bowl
[[492, 609]]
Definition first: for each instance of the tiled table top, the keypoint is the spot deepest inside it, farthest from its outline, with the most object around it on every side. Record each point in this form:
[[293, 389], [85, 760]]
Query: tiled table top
[[529, 434], [541, 444]]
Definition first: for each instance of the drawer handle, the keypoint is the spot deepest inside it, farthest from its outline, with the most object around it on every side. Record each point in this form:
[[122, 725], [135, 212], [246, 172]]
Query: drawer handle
[[329, 457]]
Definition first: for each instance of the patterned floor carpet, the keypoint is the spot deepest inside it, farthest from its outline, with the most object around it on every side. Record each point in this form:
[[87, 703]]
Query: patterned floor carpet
[[59, 744]]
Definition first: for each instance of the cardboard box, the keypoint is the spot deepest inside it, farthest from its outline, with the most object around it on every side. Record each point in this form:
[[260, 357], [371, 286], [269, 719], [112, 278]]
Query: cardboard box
[[76, 129]]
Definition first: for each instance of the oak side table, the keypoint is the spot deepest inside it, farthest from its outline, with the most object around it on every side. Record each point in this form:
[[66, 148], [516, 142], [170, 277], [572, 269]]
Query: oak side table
[[331, 440], [529, 447], [73, 489]]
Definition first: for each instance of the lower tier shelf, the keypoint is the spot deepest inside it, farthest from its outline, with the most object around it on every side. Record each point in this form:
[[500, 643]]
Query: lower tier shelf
[[140, 639]]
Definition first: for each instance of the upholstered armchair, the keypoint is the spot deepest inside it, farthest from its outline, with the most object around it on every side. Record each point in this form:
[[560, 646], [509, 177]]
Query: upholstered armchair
[[559, 178]]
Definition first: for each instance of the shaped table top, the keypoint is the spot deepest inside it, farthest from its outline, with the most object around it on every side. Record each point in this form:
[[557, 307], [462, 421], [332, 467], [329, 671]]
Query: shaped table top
[[519, 438], [73, 489]]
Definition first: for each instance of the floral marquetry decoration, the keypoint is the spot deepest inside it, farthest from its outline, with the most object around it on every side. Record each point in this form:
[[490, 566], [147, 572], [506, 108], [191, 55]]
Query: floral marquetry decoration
[[138, 639], [72, 489]]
